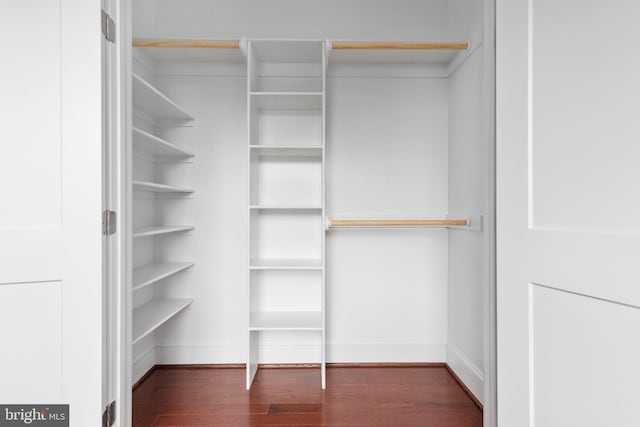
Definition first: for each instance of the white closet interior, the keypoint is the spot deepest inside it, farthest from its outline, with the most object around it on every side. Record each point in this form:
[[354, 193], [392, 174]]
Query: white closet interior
[[262, 151]]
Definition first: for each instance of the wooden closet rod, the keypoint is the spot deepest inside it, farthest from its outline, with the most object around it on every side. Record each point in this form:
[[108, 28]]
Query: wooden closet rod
[[397, 46], [398, 223], [200, 44]]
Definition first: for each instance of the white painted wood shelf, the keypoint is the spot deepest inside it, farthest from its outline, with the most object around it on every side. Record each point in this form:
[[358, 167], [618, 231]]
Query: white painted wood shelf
[[157, 147], [286, 207], [160, 188], [159, 230], [286, 151], [288, 101], [285, 264], [153, 314], [156, 104], [154, 272], [286, 321]]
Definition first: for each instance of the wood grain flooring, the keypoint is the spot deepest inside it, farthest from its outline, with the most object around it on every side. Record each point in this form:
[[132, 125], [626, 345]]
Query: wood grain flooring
[[397, 396]]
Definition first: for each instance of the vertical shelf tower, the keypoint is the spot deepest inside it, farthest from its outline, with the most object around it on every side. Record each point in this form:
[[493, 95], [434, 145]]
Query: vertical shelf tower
[[156, 257], [286, 122]]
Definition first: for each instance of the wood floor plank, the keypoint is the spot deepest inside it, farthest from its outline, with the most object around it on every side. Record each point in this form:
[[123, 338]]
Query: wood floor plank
[[422, 396]]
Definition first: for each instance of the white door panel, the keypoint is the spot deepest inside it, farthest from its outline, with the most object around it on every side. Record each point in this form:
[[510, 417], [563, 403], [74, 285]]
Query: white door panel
[[585, 360], [31, 315], [50, 214], [568, 238]]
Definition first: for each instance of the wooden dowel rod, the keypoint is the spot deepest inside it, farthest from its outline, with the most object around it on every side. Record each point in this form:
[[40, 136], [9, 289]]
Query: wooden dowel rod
[[200, 44], [397, 46], [398, 223]]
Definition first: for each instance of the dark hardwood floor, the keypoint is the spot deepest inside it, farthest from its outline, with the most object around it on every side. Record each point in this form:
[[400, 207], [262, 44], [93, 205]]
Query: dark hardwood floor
[[389, 396]]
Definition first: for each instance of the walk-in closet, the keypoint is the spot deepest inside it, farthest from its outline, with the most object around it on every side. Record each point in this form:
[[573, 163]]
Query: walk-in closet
[[310, 184]]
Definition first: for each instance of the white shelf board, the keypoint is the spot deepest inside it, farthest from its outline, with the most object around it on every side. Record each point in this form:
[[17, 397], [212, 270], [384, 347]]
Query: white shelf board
[[286, 208], [375, 56], [288, 101], [158, 147], [288, 151], [150, 316], [154, 272], [158, 230], [154, 103], [160, 188], [286, 321], [285, 264]]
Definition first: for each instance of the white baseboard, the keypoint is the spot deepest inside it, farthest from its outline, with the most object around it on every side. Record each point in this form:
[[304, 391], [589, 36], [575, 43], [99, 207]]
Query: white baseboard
[[143, 364], [467, 371], [387, 352]]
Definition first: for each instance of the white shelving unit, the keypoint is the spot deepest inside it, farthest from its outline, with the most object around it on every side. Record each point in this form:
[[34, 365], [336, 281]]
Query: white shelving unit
[[156, 104], [151, 273], [286, 195], [285, 264], [156, 160], [160, 229], [160, 188], [285, 151], [286, 321], [150, 316], [157, 147]]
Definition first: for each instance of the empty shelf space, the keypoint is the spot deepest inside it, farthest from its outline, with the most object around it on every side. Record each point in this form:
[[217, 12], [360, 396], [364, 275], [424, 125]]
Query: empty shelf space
[[286, 321], [152, 273], [160, 188], [285, 264], [285, 208], [158, 147], [150, 316], [159, 230], [287, 151], [156, 104], [288, 101]]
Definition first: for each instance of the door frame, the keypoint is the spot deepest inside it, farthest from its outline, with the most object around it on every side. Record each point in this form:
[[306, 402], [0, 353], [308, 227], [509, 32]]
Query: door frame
[[490, 408], [117, 300]]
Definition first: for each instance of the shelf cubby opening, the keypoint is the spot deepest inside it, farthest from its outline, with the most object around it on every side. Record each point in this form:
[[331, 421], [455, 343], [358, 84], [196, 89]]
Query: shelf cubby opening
[[286, 234], [286, 66], [286, 180]]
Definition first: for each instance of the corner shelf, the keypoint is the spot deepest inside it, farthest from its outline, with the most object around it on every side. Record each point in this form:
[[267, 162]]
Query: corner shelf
[[160, 188], [154, 272], [286, 321], [158, 147], [285, 264], [150, 316], [155, 103], [286, 151], [159, 230]]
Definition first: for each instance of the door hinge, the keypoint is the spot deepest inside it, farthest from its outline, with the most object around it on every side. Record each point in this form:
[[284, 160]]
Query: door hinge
[[109, 222], [108, 27], [109, 415]]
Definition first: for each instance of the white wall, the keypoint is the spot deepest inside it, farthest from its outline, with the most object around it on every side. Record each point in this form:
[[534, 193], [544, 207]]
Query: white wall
[[468, 194], [387, 158], [341, 19]]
